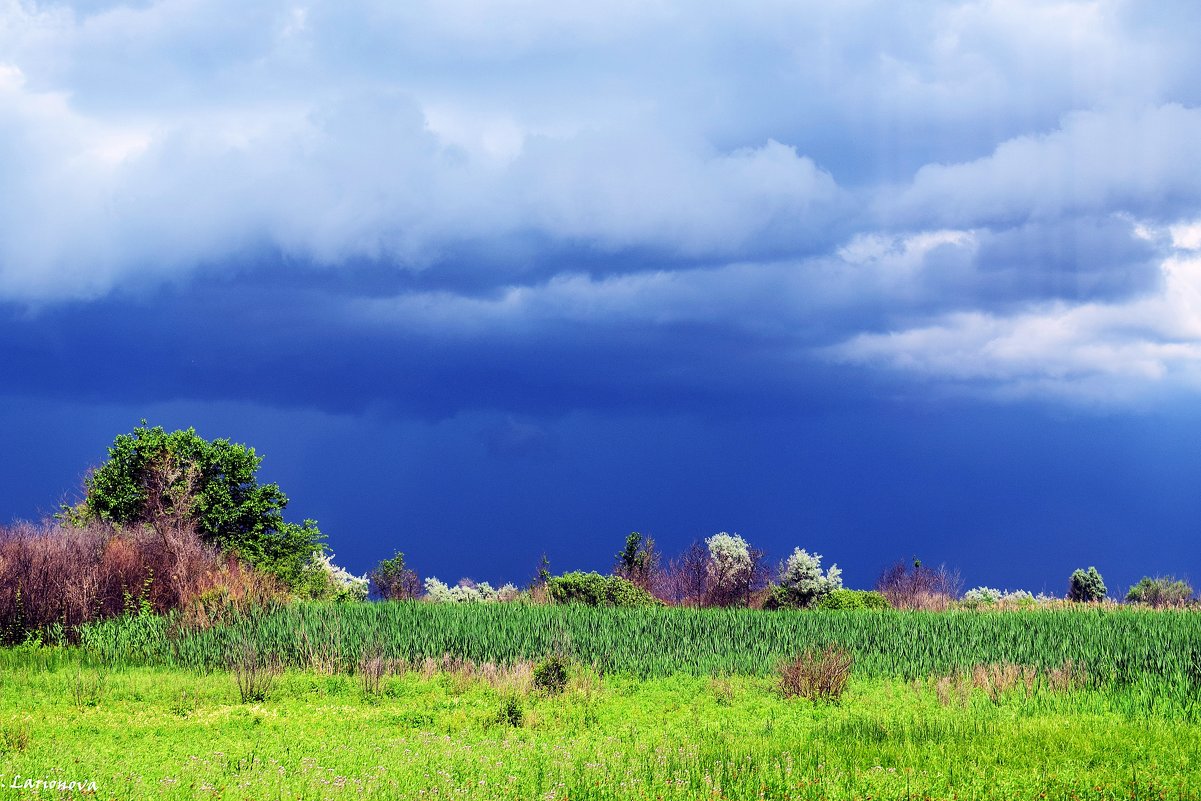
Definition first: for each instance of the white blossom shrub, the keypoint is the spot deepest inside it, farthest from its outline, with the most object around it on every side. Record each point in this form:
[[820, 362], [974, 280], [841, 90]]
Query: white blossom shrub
[[340, 584], [1022, 598], [982, 596], [988, 596], [803, 581], [468, 591], [729, 567]]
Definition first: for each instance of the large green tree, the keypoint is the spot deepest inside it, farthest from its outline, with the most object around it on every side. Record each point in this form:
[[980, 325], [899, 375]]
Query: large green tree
[[152, 475]]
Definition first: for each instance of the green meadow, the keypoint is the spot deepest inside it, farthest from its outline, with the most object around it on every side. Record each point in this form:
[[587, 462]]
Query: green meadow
[[400, 713]]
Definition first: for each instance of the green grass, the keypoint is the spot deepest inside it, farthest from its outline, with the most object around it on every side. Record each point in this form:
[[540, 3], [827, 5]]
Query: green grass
[[154, 732]]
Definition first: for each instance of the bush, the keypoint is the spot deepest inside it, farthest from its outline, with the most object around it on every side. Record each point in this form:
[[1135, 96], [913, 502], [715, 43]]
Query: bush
[[852, 599], [60, 577], [1160, 592], [982, 596], [468, 591], [818, 676], [550, 675], [593, 589], [328, 582], [918, 587], [511, 713], [802, 583], [1086, 585]]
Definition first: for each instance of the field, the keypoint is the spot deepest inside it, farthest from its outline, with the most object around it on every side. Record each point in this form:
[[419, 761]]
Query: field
[[414, 700]]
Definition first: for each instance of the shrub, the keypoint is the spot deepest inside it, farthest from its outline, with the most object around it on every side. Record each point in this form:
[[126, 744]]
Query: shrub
[[818, 676], [852, 599], [1160, 592], [468, 591], [982, 596], [511, 713], [918, 587], [802, 582], [1086, 585], [593, 589], [59, 577], [1022, 599], [550, 675], [328, 582]]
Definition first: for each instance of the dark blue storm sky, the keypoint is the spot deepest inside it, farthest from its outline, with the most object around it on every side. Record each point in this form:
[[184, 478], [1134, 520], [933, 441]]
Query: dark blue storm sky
[[483, 281]]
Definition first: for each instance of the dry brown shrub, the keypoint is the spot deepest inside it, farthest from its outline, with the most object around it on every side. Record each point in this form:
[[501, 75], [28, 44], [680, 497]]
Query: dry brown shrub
[[915, 586], [372, 668], [70, 575], [1065, 678], [538, 594], [816, 675], [1000, 678]]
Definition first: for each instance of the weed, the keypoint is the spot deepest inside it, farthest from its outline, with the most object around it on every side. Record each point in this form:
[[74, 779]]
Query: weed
[[183, 704], [722, 688], [253, 671], [87, 689], [372, 667], [551, 674], [14, 738], [512, 712]]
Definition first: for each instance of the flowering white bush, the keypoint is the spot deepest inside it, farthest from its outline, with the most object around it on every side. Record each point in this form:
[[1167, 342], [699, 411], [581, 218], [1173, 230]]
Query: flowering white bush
[[467, 591], [729, 555], [802, 578], [987, 596], [982, 596], [341, 584]]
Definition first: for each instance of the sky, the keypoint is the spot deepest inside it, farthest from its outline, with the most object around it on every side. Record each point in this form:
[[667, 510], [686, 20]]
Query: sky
[[483, 281]]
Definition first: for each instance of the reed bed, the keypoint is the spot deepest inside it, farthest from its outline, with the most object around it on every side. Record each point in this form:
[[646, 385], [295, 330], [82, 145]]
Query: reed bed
[[1110, 646]]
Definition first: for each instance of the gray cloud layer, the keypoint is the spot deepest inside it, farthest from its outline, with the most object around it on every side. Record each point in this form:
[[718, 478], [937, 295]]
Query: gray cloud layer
[[920, 189]]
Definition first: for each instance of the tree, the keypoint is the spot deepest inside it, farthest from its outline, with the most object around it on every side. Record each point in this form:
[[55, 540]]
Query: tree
[[1086, 585], [638, 561], [734, 570], [393, 581], [152, 476], [729, 568]]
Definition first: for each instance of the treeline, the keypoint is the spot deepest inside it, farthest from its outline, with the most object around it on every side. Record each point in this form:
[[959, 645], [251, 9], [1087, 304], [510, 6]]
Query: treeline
[[171, 521], [724, 570]]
